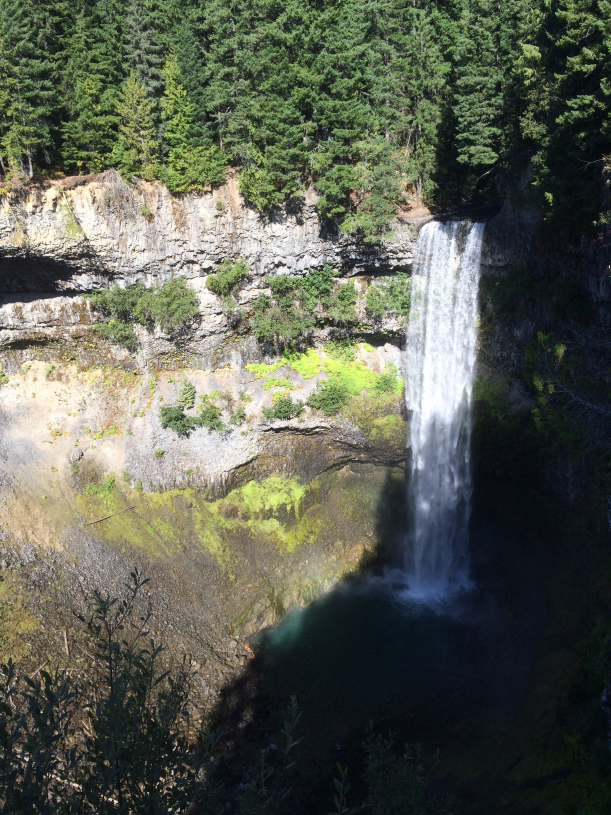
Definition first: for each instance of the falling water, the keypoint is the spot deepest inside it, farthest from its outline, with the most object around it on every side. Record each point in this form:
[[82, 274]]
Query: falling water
[[440, 360]]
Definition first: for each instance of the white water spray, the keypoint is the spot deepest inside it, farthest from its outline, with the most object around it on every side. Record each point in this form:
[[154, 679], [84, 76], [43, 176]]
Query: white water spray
[[441, 339]]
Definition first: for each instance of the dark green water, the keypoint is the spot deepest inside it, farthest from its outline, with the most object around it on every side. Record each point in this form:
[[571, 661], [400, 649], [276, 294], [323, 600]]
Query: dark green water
[[365, 651]]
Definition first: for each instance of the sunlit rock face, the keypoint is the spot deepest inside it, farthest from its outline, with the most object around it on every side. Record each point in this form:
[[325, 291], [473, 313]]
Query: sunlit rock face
[[81, 234]]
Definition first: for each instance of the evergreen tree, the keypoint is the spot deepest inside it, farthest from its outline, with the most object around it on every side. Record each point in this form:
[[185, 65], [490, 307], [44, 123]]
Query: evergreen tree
[[189, 166], [144, 53], [573, 130], [478, 100], [27, 93], [92, 79], [192, 64], [135, 152]]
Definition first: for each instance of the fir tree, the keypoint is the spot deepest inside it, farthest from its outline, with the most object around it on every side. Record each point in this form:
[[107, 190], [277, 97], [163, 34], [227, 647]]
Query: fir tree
[[135, 152], [144, 52], [477, 99], [92, 79], [189, 166], [27, 93]]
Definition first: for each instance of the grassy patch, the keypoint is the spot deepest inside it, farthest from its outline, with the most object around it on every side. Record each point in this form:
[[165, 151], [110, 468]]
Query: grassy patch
[[306, 364], [102, 489]]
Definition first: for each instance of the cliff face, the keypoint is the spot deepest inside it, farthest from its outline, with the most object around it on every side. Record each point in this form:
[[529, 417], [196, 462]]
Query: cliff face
[[90, 481], [79, 234]]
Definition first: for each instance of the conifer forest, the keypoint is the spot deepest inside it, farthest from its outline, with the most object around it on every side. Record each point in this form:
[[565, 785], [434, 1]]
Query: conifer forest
[[364, 98]]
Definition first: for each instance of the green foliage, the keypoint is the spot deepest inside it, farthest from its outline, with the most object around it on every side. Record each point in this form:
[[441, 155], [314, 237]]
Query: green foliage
[[186, 394], [330, 395], [389, 381], [444, 100], [494, 395], [118, 332], [119, 731], [28, 83], [173, 417], [283, 408], [170, 305], [280, 320], [396, 782], [390, 295], [238, 416], [90, 85], [189, 166], [342, 305], [119, 303], [103, 490], [298, 303], [229, 276], [209, 415], [135, 152], [342, 349]]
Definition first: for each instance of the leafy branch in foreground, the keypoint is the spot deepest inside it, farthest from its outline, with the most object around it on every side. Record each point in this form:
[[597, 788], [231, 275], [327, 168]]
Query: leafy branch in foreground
[[119, 739]]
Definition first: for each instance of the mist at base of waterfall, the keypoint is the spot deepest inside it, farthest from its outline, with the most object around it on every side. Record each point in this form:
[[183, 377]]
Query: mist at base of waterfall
[[368, 649]]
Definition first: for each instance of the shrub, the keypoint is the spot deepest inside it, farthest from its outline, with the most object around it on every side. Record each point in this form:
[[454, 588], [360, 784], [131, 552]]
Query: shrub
[[117, 303], [284, 408], [388, 382], [392, 294], [375, 302], [342, 349], [239, 416], [170, 305], [174, 418], [281, 322], [118, 332], [186, 395], [342, 305], [288, 316], [316, 287], [117, 729], [228, 276], [209, 415], [330, 396]]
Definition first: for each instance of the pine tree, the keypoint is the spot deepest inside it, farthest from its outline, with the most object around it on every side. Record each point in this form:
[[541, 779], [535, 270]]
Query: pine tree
[[91, 83], [136, 152], [189, 166], [144, 53], [27, 90]]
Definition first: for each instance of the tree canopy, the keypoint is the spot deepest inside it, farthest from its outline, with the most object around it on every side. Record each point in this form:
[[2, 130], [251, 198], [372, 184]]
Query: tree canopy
[[367, 100]]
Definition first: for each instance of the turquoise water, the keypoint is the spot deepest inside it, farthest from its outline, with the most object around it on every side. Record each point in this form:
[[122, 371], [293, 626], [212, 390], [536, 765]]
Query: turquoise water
[[364, 650]]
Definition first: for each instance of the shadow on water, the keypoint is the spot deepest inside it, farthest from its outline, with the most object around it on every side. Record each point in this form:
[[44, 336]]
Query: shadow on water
[[448, 676]]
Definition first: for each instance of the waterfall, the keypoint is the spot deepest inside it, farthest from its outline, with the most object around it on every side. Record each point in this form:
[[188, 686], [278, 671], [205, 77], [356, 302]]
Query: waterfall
[[440, 353]]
